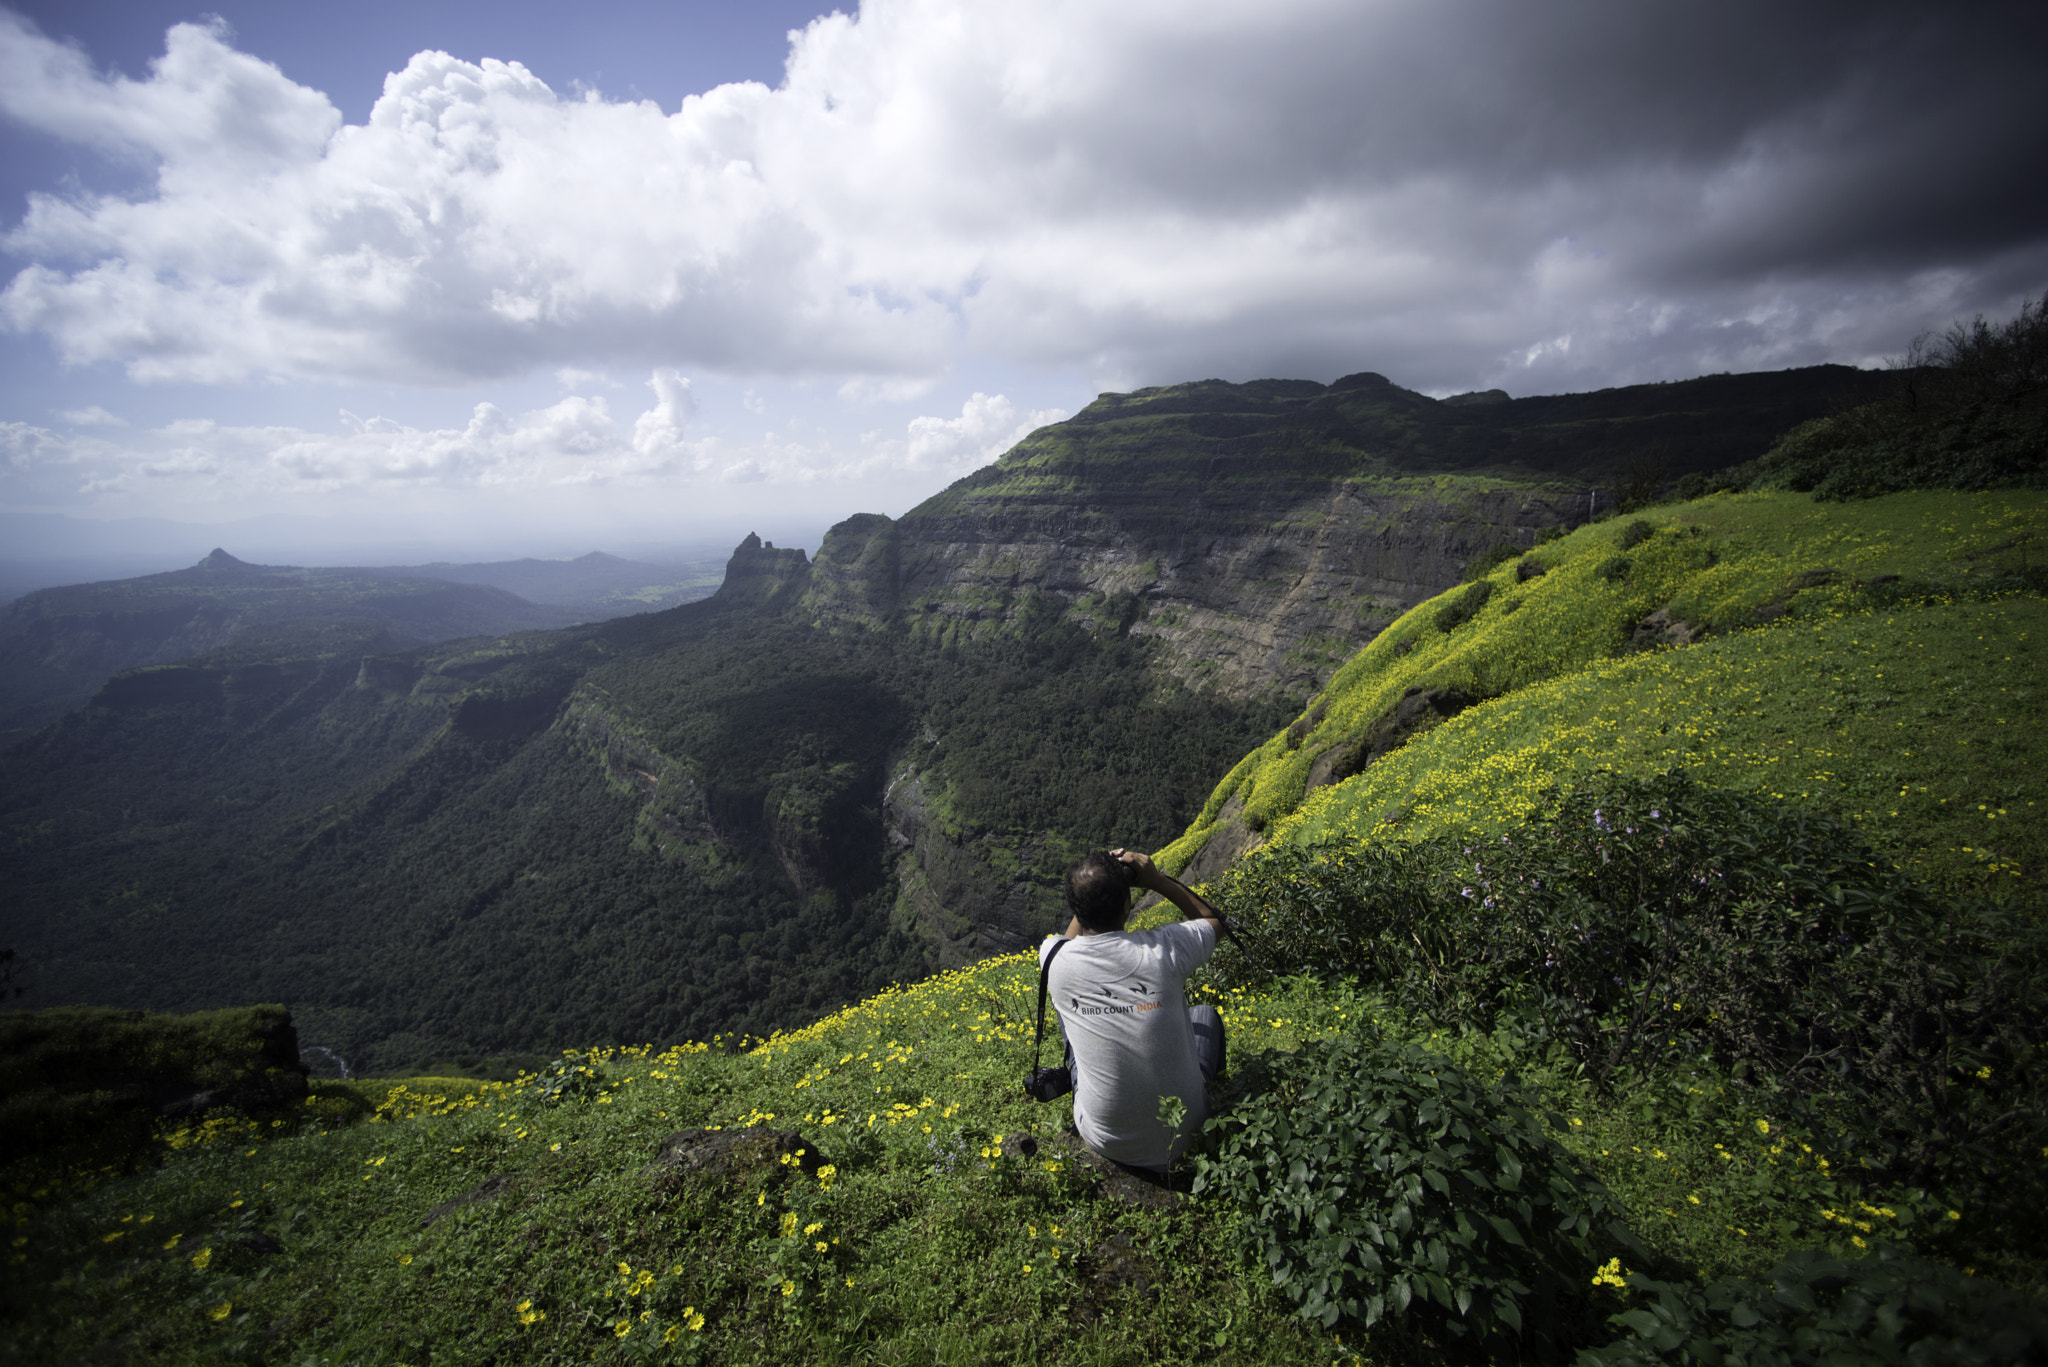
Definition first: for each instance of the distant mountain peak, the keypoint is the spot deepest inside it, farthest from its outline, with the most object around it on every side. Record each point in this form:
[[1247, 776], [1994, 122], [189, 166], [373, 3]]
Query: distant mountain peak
[[221, 560]]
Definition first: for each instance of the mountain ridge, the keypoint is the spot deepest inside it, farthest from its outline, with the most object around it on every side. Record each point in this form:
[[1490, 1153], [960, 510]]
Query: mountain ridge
[[871, 761]]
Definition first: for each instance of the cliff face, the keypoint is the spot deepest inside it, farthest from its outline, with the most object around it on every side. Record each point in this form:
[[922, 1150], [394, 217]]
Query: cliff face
[[1260, 535], [1264, 532]]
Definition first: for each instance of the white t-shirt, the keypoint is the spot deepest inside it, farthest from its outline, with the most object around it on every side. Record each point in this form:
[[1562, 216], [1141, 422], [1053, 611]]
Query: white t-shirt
[[1120, 1002]]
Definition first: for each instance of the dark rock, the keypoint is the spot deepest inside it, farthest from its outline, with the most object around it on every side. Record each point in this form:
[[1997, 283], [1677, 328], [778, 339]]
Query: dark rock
[[1105, 1179], [1119, 1266], [1418, 710], [1306, 723], [491, 1190], [1660, 628], [736, 1153], [1228, 839], [758, 574]]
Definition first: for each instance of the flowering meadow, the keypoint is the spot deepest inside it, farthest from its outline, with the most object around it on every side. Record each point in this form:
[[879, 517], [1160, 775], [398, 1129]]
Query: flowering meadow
[[1876, 658], [449, 1221]]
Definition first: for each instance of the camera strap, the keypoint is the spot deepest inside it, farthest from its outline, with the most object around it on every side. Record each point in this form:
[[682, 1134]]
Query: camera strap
[[1044, 974], [1244, 949]]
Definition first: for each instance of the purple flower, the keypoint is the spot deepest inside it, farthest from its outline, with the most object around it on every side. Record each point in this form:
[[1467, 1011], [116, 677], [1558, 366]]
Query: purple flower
[[1466, 893], [1656, 815], [1489, 902]]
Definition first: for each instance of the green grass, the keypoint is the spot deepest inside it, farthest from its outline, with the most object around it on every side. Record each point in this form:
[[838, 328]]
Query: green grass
[[305, 1238], [1844, 691], [1922, 725], [935, 1246]]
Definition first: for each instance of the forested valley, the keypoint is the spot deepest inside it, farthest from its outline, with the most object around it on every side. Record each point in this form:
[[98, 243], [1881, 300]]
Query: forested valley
[[411, 856]]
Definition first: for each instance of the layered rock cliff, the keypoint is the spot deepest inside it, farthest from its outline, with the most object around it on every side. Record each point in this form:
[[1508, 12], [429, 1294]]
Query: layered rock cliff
[[1258, 535]]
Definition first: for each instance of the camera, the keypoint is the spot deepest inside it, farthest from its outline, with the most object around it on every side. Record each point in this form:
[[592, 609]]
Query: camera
[[1049, 1084]]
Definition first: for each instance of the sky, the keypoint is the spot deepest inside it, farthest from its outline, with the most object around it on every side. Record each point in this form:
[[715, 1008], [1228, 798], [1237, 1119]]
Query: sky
[[515, 278]]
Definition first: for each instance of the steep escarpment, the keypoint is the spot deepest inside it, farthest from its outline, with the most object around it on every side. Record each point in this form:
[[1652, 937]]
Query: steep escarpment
[[1261, 533]]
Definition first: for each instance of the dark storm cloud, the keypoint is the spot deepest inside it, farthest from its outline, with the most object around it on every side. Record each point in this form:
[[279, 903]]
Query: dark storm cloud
[[1457, 194]]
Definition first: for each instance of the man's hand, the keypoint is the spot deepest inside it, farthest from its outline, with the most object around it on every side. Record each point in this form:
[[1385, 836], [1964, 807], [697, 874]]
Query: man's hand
[[1145, 874]]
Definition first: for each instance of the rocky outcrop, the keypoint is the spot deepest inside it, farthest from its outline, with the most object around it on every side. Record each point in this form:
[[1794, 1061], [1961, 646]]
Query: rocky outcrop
[[751, 1151], [1256, 589], [858, 574], [1419, 710], [1261, 533], [759, 575]]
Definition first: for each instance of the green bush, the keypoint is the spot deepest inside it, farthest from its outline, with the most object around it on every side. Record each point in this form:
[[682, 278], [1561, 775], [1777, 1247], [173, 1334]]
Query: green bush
[[1491, 559], [1379, 1179], [572, 1077], [1971, 412], [1644, 923], [97, 1078], [1464, 607], [1888, 1308]]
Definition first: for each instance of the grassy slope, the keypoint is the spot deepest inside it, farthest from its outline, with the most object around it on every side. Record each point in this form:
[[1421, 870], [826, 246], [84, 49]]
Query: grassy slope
[[925, 1244], [1912, 705], [936, 1248]]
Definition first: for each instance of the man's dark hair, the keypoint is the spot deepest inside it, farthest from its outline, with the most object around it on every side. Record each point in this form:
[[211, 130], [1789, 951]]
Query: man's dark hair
[[1099, 891]]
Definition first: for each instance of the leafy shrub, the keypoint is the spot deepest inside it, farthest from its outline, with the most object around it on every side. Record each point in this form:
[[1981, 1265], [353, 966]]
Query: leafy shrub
[[1379, 1179], [99, 1077], [1636, 533], [1640, 923], [1613, 569], [1464, 607], [1888, 1308], [572, 1077], [1971, 412]]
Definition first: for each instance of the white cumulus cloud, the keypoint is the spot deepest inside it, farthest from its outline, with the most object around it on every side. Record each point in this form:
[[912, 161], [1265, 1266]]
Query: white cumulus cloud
[[575, 442], [1146, 191]]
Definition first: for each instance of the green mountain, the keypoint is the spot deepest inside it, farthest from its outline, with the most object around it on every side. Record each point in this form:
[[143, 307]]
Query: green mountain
[[734, 814], [57, 646], [1641, 953], [593, 586]]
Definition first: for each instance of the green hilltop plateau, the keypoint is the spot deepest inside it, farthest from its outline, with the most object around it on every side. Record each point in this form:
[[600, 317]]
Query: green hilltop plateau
[[1631, 806]]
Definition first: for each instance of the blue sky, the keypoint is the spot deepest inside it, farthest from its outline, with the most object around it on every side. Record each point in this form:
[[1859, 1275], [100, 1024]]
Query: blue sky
[[573, 282]]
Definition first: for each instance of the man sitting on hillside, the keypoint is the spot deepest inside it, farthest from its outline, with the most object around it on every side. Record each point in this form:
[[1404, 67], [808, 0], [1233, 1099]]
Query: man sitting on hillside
[[1131, 1037]]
